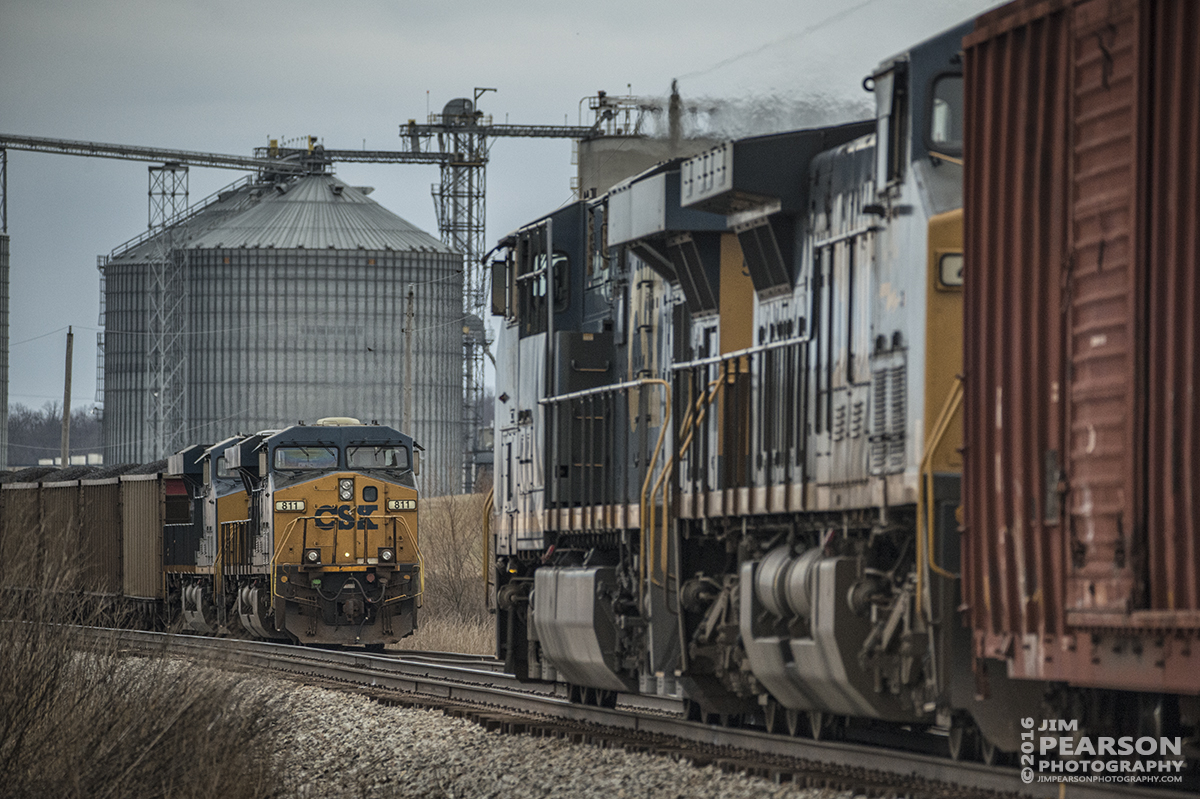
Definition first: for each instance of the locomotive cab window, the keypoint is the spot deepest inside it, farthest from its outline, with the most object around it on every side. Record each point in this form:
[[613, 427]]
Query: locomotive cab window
[[891, 113], [562, 276], [500, 288], [945, 125], [377, 457], [597, 248], [223, 469], [310, 457], [533, 281]]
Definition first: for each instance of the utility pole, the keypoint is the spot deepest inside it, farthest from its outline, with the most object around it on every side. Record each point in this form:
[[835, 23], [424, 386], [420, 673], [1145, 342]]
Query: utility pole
[[408, 360], [66, 413]]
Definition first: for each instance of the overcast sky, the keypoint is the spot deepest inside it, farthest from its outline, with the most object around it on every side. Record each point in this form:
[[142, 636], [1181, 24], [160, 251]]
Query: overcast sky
[[224, 76]]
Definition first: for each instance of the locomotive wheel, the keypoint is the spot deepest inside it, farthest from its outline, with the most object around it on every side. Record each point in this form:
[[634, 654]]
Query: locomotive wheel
[[774, 714], [823, 726], [991, 755], [963, 740], [794, 719]]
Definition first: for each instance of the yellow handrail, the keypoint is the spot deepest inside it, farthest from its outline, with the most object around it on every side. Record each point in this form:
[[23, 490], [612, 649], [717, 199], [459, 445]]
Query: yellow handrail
[[287, 534], [291, 527], [662, 434], [691, 423], [925, 505], [420, 558]]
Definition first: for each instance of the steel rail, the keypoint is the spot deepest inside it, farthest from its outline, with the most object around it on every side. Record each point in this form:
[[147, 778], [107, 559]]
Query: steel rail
[[425, 677]]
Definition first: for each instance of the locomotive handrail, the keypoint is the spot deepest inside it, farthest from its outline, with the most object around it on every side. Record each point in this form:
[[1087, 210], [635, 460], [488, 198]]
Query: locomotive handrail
[[690, 423], [223, 529], [416, 547], [925, 506], [642, 513], [729, 356], [615, 387], [287, 534], [304, 541], [290, 529]]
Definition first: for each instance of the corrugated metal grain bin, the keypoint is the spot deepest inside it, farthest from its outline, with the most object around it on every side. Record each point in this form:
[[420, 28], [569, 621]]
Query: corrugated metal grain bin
[[296, 290], [142, 506], [1081, 219], [100, 536]]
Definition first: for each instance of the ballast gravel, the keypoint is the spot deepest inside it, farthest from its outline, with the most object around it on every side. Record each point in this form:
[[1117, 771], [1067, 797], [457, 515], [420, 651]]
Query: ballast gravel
[[342, 745]]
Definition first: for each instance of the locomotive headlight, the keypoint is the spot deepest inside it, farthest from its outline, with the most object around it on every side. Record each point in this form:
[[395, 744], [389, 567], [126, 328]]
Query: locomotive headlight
[[346, 489], [387, 555], [312, 556]]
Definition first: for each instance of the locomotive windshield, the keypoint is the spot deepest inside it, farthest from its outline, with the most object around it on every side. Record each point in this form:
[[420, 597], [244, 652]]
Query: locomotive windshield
[[377, 457], [306, 457]]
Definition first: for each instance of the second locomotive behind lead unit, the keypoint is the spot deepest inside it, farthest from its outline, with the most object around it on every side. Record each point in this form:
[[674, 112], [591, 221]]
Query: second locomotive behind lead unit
[[308, 533], [727, 426]]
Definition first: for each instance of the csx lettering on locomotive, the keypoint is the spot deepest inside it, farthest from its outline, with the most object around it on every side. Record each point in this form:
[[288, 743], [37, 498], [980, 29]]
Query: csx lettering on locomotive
[[346, 517]]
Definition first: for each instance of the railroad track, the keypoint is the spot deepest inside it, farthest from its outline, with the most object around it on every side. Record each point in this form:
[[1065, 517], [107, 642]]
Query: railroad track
[[474, 687]]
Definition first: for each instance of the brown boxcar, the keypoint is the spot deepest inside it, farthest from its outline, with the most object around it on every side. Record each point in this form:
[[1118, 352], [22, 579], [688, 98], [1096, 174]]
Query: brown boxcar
[[58, 529], [143, 504], [1081, 561], [19, 563], [100, 536]]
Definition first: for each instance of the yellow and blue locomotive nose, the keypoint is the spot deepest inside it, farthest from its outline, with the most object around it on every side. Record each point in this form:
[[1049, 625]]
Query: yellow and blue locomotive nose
[[346, 520], [347, 562]]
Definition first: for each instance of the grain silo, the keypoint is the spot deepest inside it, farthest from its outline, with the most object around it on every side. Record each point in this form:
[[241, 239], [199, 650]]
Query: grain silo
[[288, 304]]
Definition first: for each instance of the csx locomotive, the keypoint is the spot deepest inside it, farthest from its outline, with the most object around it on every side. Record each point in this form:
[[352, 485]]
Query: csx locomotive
[[308, 534], [730, 412]]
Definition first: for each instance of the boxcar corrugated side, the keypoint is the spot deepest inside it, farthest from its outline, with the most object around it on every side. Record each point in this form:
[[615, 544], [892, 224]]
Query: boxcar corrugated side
[[1080, 551]]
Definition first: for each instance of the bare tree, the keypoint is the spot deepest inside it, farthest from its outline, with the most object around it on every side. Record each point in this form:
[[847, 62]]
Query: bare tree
[[451, 542], [37, 433]]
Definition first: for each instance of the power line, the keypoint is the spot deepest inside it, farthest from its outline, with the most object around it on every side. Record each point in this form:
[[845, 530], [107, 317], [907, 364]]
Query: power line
[[791, 37]]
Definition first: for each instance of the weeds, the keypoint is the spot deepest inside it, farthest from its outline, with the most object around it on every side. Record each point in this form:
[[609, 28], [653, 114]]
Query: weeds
[[78, 718], [452, 634], [453, 615]]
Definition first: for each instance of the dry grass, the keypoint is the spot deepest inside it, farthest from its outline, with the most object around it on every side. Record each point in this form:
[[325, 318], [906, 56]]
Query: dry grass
[[453, 615], [78, 718], [449, 634]]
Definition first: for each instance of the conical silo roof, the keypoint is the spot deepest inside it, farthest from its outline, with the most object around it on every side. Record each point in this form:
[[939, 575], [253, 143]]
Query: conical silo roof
[[310, 212]]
